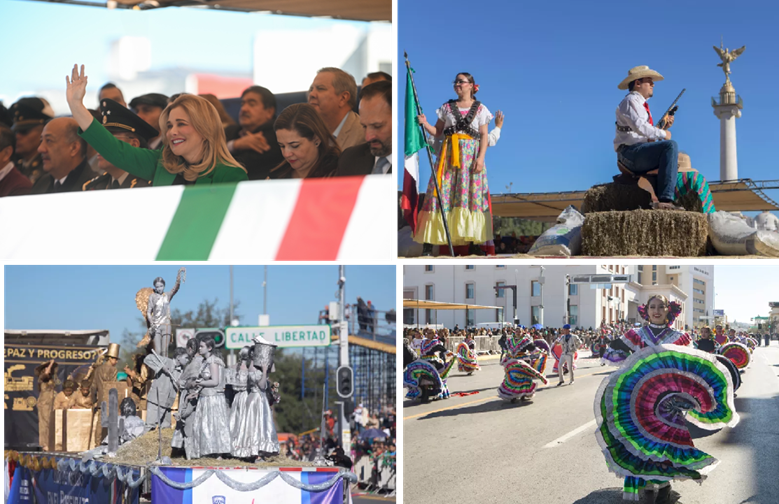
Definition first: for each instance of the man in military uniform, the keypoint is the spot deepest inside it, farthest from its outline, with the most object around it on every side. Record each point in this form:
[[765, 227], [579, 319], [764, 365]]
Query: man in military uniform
[[104, 374], [129, 128], [29, 116], [149, 107], [110, 91], [64, 156]]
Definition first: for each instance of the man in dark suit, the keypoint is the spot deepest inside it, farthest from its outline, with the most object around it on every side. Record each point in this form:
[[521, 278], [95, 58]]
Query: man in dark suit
[[129, 128], [64, 156], [253, 143], [12, 182], [374, 156]]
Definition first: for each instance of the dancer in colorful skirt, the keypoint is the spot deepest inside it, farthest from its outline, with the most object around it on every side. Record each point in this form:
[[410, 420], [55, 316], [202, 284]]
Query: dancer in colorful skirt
[[719, 335], [641, 408], [461, 172], [738, 353], [466, 356], [425, 378], [518, 382]]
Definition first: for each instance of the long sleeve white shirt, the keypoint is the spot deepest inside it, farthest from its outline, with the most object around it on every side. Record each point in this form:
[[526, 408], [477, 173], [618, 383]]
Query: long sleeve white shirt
[[494, 136], [631, 113]]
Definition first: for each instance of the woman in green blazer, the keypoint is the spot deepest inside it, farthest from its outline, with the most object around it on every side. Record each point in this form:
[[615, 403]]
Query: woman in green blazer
[[194, 152]]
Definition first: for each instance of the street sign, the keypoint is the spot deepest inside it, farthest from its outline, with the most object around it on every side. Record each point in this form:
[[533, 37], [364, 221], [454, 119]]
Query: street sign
[[282, 336], [183, 335], [719, 313]]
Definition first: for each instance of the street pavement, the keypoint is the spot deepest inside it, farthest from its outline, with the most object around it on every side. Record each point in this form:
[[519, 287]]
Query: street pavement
[[478, 448]]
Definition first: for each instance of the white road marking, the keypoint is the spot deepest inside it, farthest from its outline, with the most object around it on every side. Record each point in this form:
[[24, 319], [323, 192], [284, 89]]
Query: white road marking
[[566, 437]]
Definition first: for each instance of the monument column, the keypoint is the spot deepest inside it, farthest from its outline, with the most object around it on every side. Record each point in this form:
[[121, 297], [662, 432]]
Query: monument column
[[727, 110]]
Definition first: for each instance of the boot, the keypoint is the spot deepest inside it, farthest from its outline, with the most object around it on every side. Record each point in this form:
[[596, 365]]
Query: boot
[[427, 249]]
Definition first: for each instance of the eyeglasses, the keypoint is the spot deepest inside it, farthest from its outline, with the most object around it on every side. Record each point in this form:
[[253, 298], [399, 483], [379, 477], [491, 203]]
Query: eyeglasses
[[651, 83], [460, 82]]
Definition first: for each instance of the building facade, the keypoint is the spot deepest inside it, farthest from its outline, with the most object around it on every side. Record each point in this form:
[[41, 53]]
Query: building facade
[[546, 297]]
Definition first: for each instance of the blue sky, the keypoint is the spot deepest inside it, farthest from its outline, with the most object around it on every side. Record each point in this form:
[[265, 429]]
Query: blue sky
[[103, 297], [745, 291], [43, 40], [553, 68]]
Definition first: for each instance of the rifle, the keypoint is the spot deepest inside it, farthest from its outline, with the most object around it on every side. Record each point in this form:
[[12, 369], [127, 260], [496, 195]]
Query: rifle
[[671, 110]]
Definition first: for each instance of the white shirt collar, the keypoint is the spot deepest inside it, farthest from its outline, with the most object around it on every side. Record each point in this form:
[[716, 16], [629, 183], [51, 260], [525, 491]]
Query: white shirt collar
[[6, 170], [62, 180], [338, 129], [155, 143]]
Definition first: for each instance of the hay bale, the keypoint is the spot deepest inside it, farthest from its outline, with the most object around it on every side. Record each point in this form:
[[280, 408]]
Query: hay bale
[[143, 451], [626, 195], [645, 233]]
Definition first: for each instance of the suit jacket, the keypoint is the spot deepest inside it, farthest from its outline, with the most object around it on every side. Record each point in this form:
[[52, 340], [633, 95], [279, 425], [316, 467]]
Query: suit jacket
[[356, 160], [105, 181], [73, 182], [352, 132], [258, 165], [15, 184]]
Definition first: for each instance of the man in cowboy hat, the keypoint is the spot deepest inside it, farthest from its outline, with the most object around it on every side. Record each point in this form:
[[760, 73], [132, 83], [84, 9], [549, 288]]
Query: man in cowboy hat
[[640, 145]]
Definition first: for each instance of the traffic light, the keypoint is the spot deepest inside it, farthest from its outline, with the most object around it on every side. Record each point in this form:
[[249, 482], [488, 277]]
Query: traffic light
[[217, 334], [345, 377]]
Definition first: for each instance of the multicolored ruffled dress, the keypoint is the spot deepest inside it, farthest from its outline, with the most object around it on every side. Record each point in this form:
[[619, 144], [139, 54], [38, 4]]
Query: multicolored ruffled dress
[[429, 371], [464, 192], [466, 358], [518, 382], [641, 408]]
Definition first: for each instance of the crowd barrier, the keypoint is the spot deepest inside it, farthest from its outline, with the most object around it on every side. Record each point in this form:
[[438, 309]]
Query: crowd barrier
[[386, 477], [484, 344], [341, 219]]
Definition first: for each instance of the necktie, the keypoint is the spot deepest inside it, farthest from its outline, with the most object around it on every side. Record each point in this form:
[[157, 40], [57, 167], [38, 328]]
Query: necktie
[[646, 106], [115, 184], [57, 186], [380, 166]]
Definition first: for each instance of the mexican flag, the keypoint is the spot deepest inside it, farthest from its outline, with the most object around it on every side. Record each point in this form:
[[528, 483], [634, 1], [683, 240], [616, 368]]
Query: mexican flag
[[414, 142]]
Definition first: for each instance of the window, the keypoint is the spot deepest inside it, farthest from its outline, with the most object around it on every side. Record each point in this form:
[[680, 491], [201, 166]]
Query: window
[[654, 267], [654, 278], [699, 282], [674, 267], [502, 292], [469, 291], [429, 316], [573, 315], [535, 315], [469, 319], [469, 267], [428, 268], [573, 290], [639, 276], [699, 291], [640, 268], [535, 288], [429, 292], [408, 316]]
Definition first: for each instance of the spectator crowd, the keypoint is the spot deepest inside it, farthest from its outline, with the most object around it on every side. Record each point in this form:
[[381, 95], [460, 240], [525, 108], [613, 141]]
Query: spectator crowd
[[185, 139]]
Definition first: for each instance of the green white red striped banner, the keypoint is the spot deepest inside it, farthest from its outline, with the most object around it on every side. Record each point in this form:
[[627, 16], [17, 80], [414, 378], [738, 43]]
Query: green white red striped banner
[[343, 219]]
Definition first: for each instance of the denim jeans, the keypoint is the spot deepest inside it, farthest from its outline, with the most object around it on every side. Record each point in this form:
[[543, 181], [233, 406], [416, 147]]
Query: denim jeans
[[663, 156]]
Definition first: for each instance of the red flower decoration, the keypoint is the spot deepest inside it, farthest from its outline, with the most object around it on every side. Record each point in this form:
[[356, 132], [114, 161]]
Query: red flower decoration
[[475, 88]]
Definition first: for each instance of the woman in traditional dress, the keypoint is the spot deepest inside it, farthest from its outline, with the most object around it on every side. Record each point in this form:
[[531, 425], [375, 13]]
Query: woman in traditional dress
[[237, 379], [254, 434], [47, 385], [518, 382], [466, 356], [461, 172], [641, 408], [211, 432]]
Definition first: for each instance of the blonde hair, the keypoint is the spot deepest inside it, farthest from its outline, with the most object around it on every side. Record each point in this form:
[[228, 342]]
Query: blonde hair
[[204, 118]]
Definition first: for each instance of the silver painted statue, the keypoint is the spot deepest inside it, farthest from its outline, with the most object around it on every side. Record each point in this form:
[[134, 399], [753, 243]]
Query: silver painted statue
[[251, 420], [727, 56], [164, 386], [158, 312], [210, 427]]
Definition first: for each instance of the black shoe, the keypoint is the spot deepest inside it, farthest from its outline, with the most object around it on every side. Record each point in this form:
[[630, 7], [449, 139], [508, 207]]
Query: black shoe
[[559, 383], [427, 249], [663, 495], [476, 250]]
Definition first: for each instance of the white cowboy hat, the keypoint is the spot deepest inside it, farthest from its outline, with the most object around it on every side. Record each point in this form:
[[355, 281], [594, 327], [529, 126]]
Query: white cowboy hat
[[639, 72]]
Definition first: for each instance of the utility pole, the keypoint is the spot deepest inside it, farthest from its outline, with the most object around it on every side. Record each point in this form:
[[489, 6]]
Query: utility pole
[[343, 343], [541, 308], [265, 292]]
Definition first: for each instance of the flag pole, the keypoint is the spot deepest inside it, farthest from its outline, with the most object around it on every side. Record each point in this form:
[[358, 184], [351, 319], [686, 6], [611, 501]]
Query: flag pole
[[430, 157]]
